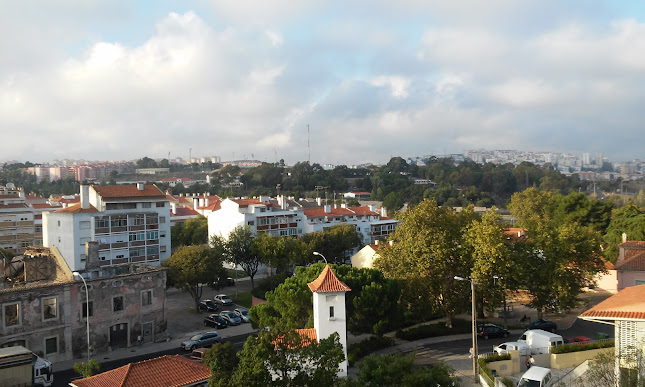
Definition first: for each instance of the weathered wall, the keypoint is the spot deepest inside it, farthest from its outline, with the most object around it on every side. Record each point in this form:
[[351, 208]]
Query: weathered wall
[[561, 361]]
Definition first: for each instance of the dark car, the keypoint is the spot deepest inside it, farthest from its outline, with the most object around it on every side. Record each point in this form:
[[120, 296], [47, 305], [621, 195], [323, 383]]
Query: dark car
[[208, 305], [545, 325], [491, 330], [221, 283], [214, 320]]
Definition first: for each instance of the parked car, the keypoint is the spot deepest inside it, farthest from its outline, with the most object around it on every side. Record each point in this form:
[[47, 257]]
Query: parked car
[[198, 354], [512, 346], [231, 318], [214, 320], [536, 377], [491, 330], [208, 305], [580, 340], [243, 314], [223, 299], [203, 339], [545, 325], [222, 283]]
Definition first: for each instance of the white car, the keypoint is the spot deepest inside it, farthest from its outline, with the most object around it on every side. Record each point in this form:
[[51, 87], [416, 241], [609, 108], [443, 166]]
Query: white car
[[223, 299], [243, 314], [510, 346]]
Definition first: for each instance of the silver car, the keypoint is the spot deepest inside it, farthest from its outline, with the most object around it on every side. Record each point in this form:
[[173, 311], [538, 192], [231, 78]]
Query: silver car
[[243, 314], [203, 339], [231, 317]]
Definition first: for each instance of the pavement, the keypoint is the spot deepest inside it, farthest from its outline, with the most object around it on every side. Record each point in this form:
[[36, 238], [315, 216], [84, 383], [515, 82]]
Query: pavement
[[182, 324]]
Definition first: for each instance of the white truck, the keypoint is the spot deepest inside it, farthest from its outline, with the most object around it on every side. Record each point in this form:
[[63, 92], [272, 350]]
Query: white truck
[[512, 346], [21, 367], [540, 341]]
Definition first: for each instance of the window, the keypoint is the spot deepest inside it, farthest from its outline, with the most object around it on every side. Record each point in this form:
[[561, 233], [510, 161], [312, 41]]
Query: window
[[51, 345], [49, 308], [101, 223], [331, 312], [119, 222], [138, 220], [146, 297], [137, 236], [146, 205], [161, 204], [59, 223], [639, 282], [162, 234], [162, 249], [250, 223], [137, 252], [84, 308], [83, 257], [152, 235], [11, 314], [153, 250], [117, 304]]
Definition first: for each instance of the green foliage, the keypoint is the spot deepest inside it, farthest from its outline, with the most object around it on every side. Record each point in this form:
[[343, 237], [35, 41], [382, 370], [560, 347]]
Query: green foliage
[[630, 220], [239, 250], [222, 359], [435, 329], [566, 348], [192, 232], [334, 242], [397, 370], [87, 369], [393, 201], [359, 350], [371, 304], [242, 299], [190, 267], [483, 363], [269, 283]]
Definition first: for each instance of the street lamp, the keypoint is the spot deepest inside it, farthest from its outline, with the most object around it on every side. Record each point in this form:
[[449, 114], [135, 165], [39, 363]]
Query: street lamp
[[320, 255], [87, 312], [474, 312]]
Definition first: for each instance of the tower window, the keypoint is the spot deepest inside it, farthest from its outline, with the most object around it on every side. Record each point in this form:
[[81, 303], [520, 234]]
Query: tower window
[[331, 312]]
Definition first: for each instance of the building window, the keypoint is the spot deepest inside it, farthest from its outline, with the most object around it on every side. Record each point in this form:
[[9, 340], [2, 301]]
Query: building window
[[162, 219], [162, 249], [51, 345], [84, 225], [101, 223], [146, 205], [84, 309], [11, 314], [331, 312], [250, 223], [50, 311], [117, 304], [59, 223], [139, 220], [137, 236], [146, 297], [119, 222], [152, 235], [161, 204]]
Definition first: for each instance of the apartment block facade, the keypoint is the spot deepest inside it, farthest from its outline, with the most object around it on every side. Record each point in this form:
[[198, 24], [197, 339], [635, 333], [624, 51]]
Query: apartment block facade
[[16, 220]]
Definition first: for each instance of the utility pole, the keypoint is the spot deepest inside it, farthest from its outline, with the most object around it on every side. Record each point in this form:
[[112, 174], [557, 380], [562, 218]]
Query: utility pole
[[308, 147]]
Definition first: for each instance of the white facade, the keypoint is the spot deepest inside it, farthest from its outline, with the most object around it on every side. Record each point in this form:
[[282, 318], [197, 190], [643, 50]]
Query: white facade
[[130, 223], [330, 316]]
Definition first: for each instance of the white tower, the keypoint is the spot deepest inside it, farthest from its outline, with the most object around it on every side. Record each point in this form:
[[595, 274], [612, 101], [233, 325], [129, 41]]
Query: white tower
[[329, 310]]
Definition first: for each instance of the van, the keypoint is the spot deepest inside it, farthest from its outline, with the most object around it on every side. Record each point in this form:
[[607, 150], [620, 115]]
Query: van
[[540, 341], [536, 377], [512, 346]]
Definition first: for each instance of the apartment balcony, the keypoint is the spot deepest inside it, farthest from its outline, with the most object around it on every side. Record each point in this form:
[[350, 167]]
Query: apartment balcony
[[25, 223], [119, 260], [4, 225], [137, 228], [7, 238], [152, 227], [152, 242], [119, 245], [104, 246], [119, 229], [153, 258], [138, 259], [137, 243], [102, 230], [25, 237]]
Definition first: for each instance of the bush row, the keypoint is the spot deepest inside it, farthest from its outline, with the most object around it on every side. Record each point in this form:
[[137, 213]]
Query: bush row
[[483, 363], [436, 329], [566, 348], [365, 347]]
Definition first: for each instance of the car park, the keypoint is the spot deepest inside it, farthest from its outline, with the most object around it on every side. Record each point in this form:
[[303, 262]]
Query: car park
[[215, 320], [545, 325], [223, 299], [243, 313], [208, 306], [203, 339], [231, 318], [491, 330]]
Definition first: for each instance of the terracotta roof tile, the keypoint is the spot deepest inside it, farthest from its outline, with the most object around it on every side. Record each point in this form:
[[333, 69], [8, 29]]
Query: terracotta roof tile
[[246, 202], [635, 262], [164, 371], [14, 205], [327, 282], [629, 303], [363, 210], [128, 191], [320, 212], [185, 211], [43, 205], [633, 244], [76, 208]]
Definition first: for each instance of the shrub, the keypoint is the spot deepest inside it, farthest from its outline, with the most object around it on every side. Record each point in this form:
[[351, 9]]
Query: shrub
[[435, 329], [365, 347], [483, 363], [566, 348], [268, 284]]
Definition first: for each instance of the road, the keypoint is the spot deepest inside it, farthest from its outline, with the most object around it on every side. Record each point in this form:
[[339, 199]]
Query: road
[[62, 378]]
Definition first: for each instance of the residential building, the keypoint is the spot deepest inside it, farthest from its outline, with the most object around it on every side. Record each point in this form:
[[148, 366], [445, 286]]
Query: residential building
[[176, 371], [130, 222], [364, 258], [630, 265], [44, 307], [626, 311], [16, 220]]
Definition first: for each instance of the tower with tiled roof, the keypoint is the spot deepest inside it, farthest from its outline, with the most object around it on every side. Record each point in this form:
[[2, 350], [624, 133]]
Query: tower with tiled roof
[[329, 309]]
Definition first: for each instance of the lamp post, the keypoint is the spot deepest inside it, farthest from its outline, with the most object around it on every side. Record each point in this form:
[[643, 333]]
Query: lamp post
[[320, 255], [87, 312], [474, 313]]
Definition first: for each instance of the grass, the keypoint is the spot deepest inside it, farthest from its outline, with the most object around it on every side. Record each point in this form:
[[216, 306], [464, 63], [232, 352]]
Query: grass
[[240, 273], [242, 299]]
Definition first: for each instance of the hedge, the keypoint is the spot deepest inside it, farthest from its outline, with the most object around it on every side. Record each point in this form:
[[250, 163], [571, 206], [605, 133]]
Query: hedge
[[433, 330], [365, 347], [566, 348]]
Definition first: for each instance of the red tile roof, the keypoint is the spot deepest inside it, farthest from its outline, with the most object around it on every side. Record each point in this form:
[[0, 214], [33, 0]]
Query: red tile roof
[[627, 304], [43, 205], [327, 282], [128, 191], [164, 371], [185, 211], [320, 212], [61, 199], [246, 202], [363, 210], [76, 208], [633, 244], [14, 205], [636, 262]]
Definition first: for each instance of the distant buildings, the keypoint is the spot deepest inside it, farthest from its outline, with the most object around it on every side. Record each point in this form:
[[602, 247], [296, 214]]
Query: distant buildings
[[16, 220]]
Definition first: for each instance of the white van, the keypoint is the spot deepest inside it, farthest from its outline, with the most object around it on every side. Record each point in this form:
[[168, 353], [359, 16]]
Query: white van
[[512, 346], [536, 377], [540, 341]]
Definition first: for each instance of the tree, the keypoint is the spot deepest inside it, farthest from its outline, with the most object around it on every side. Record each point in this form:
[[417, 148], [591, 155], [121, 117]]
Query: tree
[[191, 267], [279, 252], [629, 220], [396, 370], [193, 232], [222, 359], [87, 369], [393, 201], [334, 242], [238, 248], [294, 359], [429, 250]]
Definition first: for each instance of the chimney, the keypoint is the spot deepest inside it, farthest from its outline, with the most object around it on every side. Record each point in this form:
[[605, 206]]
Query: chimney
[[383, 212], [201, 202], [85, 197], [319, 201], [624, 237], [195, 203], [206, 201], [173, 208], [376, 242], [91, 255], [140, 186], [327, 208], [372, 207], [343, 205]]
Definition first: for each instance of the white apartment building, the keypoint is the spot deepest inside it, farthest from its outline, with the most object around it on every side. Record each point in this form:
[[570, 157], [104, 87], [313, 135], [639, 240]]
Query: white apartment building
[[16, 220], [131, 223]]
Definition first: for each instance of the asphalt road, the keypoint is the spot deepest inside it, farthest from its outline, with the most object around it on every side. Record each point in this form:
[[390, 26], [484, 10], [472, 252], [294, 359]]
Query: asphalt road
[[62, 378]]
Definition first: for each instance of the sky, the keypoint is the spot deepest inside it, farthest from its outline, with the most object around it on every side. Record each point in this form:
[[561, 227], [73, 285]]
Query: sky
[[328, 81]]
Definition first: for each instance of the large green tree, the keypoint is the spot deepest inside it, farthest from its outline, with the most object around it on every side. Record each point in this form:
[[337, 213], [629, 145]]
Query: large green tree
[[334, 242], [192, 232], [429, 250], [222, 359], [240, 251], [191, 267], [629, 220]]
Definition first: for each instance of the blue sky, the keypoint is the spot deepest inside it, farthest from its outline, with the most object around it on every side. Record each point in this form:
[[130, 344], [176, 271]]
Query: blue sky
[[121, 79]]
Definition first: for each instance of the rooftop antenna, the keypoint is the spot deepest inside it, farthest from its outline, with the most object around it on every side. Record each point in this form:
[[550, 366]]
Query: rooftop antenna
[[190, 155], [308, 147], [276, 156]]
